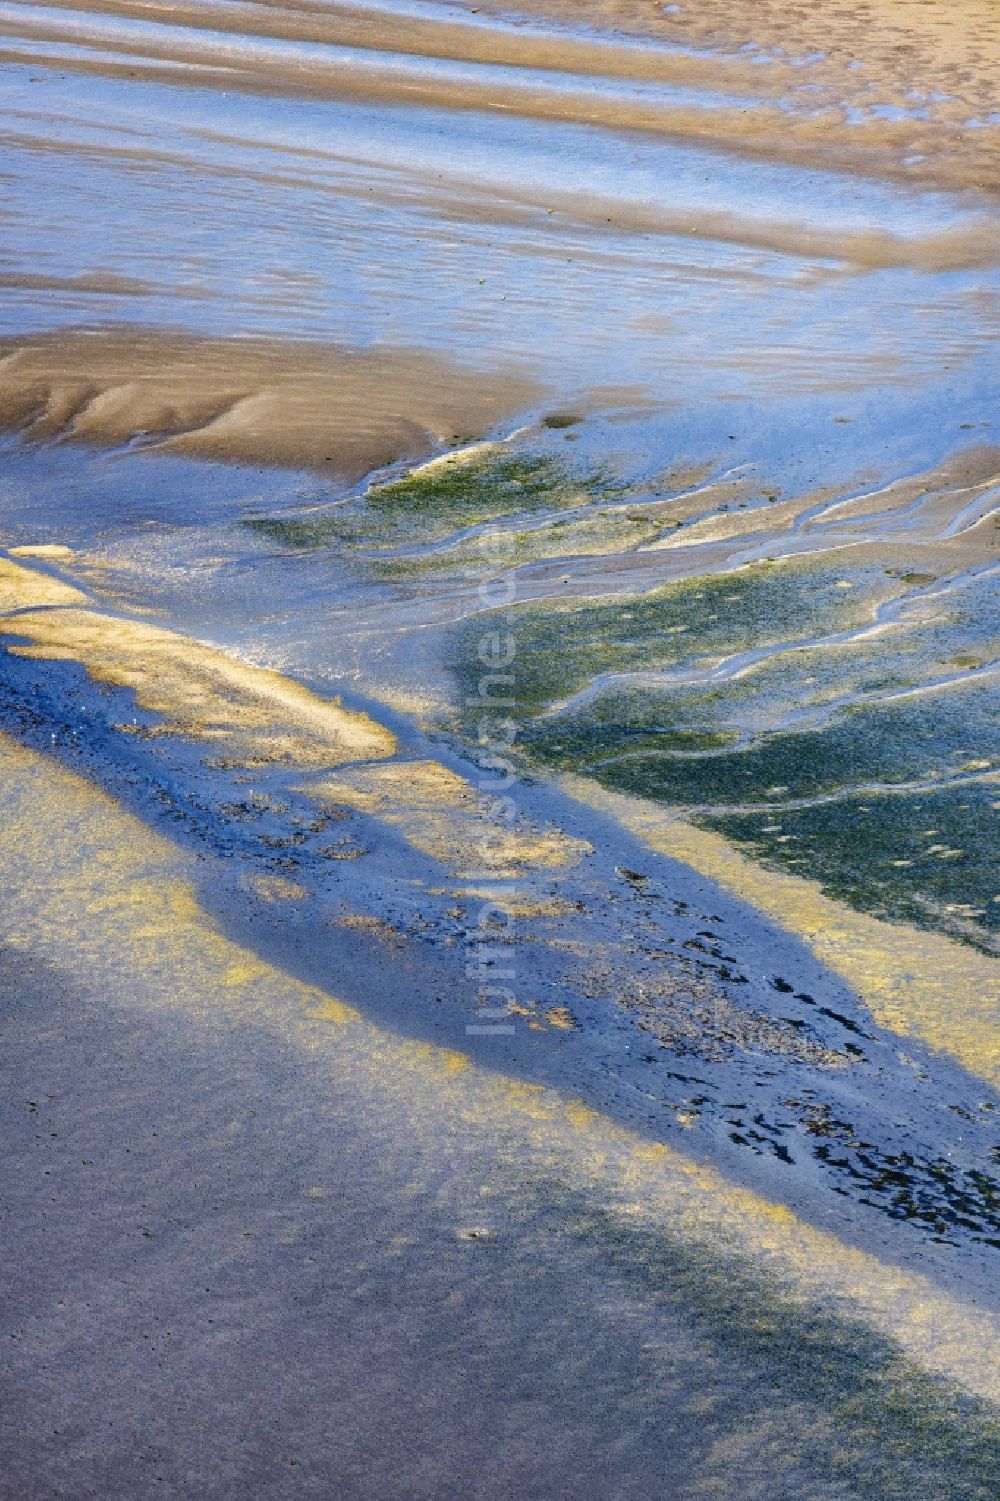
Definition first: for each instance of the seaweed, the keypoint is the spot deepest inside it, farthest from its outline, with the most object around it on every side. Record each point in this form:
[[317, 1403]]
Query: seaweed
[[432, 501], [759, 702]]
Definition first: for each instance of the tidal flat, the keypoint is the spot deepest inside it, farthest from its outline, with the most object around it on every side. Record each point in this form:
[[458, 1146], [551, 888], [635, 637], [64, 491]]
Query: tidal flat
[[498, 750]]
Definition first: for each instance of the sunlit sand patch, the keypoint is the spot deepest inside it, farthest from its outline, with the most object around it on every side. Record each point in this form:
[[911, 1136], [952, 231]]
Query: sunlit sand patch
[[518, 905], [723, 524], [250, 716], [254, 717], [420, 704], [97, 894], [890, 50], [949, 486], [26, 588], [462, 458], [375, 927], [271, 401], [538, 1019], [329, 1009], [272, 888], [439, 813], [916, 983], [53, 550]]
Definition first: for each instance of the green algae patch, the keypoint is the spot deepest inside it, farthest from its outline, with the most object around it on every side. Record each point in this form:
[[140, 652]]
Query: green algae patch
[[434, 500], [887, 805], [927, 858], [602, 531], [465, 488], [918, 738], [563, 645], [820, 716]]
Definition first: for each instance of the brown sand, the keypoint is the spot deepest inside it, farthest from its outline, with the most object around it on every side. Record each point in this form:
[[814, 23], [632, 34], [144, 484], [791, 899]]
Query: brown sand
[[860, 57], [256, 400]]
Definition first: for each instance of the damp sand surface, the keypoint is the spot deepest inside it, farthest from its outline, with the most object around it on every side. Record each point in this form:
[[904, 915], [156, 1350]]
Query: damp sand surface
[[498, 668]]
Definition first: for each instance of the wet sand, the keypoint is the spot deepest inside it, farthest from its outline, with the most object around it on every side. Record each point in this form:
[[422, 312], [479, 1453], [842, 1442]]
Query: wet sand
[[924, 80], [345, 412], [498, 764]]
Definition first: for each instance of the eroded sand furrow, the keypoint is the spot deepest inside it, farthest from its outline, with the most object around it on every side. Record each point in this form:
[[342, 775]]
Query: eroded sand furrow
[[458, 39]]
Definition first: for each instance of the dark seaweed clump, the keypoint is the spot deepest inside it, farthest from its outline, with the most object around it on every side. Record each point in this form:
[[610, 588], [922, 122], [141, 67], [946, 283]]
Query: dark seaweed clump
[[932, 1194]]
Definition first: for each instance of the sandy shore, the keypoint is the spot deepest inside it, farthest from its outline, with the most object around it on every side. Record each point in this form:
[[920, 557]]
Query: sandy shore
[[498, 763]]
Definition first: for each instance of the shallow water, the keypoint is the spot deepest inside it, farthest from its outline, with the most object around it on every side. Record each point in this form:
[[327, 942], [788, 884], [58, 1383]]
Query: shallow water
[[569, 1060]]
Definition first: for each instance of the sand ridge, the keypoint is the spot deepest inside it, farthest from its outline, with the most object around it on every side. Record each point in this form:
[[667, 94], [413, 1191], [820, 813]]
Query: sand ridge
[[257, 400]]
